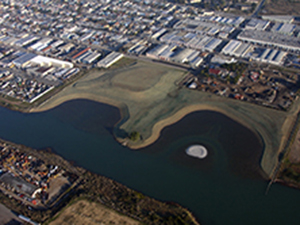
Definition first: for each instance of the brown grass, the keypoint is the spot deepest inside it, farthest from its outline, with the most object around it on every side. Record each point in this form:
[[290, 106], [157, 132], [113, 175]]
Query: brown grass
[[282, 7], [85, 213]]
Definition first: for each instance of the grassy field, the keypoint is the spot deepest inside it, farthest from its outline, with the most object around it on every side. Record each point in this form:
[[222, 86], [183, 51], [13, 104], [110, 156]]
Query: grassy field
[[149, 99], [85, 213]]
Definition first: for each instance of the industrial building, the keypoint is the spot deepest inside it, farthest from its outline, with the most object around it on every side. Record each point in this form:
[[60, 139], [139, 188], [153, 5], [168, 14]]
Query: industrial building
[[81, 54], [271, 39], [201, 26], [18, 184], [198, 26], [41, 44], [91, 58], [154, 52], [232, 21], [57, 43], [163, 52], [168, 52], [225, 31], [242, 50], [23, 60], [279, 18], [231, 46], [236, 48], [159, 33], [66, 47], [86, 36], [175, 54], [190, 40], [38, 46], [27, 39], [284, 28], [267, 55], [257, 24], [110, 59], [47, 61], [212, 44], [7, 40]]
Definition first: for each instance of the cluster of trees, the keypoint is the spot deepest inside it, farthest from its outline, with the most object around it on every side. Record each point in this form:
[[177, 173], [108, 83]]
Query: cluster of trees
[[134, 136], [132, 203], [291, 174], [238, 68]]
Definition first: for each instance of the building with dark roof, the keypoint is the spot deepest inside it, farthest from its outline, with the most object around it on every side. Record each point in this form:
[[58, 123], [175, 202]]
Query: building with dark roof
[[18, 184]]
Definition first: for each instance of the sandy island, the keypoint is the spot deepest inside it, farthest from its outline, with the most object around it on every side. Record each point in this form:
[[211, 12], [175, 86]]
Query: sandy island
[[150, 99], [197, 151]]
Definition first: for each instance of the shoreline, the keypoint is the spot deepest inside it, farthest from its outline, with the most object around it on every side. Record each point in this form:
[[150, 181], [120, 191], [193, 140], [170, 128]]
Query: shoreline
[[99, 189], [157, 128], [145, 111], [160, 125]]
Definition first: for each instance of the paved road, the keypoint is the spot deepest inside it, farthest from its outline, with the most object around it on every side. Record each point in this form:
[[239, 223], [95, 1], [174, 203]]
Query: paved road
[[258, 8], [6, 215]]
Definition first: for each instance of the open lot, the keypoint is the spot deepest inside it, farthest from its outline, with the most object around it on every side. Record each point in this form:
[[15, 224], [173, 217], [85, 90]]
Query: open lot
[[84, 212], [157, 101], [57, 187], [282, 7]]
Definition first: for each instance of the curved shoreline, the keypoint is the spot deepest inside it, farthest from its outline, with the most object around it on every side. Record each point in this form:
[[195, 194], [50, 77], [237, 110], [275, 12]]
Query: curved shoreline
[[260, 130], [157, 128], [149, 112], [160, 125]]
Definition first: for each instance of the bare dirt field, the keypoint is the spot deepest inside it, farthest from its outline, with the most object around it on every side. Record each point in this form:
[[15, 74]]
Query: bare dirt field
[[85, 213], [282, 7], [57, 186], [149, 99]]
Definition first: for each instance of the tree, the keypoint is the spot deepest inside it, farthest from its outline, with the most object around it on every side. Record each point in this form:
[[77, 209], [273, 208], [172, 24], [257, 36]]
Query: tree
[[134, 136]]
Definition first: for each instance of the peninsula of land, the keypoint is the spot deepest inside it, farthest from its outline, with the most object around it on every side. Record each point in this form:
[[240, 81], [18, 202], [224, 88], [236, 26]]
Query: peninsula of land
[[150, 98], [42, 55]]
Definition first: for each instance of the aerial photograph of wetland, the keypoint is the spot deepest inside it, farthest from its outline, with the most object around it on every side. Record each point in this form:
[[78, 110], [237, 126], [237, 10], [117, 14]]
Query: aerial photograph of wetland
[[150, 112]]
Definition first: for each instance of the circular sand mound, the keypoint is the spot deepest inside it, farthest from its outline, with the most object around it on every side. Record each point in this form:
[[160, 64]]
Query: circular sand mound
[[197, 151]]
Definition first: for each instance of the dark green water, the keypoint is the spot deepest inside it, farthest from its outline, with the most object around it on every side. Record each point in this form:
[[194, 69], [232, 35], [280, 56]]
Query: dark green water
[[224, 188]]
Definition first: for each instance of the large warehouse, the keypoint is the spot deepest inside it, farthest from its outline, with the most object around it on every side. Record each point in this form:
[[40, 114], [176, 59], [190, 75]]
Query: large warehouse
[[110, 59], [270, 39], [28, 58]]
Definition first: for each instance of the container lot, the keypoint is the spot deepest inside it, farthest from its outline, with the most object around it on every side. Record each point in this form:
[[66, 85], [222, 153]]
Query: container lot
[[29, 178]]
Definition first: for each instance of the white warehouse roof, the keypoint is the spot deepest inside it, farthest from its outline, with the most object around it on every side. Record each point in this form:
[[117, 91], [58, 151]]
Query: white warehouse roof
[[47, 61]]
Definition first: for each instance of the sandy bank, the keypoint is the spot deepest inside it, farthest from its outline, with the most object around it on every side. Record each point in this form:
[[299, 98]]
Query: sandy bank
[[159, 126]]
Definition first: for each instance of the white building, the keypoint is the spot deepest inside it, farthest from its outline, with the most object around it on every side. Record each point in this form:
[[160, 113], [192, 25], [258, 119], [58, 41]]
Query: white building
[[110, 59]]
